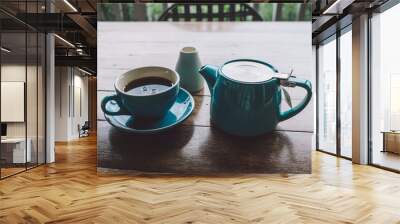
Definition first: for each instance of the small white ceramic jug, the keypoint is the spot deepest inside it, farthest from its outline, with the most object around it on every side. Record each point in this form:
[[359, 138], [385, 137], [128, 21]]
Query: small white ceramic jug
[[187, 67]]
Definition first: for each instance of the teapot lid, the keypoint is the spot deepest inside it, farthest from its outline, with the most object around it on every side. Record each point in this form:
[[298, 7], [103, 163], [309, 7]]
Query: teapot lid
[[247, 70]]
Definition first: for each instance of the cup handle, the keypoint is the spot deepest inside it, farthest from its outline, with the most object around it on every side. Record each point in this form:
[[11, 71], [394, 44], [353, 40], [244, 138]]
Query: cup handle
[[305, 84], [117, 105]]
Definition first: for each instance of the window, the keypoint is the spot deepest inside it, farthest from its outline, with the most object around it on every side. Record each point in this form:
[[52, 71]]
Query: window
[[385, 89], [346, 93], [327, 96], [334, 106], [22, 75]]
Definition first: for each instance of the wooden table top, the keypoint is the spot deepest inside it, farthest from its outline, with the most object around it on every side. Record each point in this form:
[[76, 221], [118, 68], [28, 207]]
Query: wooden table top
[[126, 45]]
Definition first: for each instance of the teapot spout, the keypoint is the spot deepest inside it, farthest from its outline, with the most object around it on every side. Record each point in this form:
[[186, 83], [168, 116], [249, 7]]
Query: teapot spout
[[209, 73]]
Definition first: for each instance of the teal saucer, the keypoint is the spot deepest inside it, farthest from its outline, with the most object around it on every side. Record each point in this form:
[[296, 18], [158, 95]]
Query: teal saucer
[[180, 110]]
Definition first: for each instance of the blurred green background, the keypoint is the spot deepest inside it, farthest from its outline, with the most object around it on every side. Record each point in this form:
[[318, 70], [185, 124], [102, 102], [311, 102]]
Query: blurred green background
[[153, 11]]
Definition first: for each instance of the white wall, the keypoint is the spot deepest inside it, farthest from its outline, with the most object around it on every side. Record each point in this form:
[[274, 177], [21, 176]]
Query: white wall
[[62, 80], [17, 72], [14, 72], [79, 117], [33, 126], [70, 83]]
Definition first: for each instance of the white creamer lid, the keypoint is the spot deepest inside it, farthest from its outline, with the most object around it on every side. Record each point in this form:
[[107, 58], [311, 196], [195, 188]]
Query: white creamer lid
[[248, 71]]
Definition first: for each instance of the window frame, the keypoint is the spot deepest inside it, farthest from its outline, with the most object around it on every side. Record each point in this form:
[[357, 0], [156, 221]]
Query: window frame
[[334, 37]]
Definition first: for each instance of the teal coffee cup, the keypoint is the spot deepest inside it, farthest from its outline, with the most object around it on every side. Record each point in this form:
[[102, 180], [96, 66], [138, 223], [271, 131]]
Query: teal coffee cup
[[146, 92]]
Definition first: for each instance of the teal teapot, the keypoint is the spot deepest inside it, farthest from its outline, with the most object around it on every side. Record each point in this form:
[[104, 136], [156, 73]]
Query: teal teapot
[[246, 96]]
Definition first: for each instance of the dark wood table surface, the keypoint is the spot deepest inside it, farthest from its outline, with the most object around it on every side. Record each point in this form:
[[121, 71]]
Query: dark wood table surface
[[196, 147]]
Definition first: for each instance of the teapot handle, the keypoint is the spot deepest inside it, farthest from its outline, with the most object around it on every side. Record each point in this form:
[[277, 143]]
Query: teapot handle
[[305, 84]]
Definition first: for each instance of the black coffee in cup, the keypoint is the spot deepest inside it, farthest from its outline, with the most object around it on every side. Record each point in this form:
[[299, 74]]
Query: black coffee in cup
[[145, 92], [147, 86]]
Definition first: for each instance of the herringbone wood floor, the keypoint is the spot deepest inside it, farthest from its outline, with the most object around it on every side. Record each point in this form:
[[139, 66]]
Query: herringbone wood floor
[[71, 191]]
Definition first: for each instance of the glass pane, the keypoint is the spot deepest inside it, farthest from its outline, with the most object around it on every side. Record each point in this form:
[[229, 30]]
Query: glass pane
[[31, 98], [32, 89], [385, 83], [41, 98], [346, 94], [13, 87], [327, 97]]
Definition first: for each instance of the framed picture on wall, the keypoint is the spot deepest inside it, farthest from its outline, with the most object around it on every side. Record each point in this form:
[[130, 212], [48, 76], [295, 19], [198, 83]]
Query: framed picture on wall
[[12, 101]]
